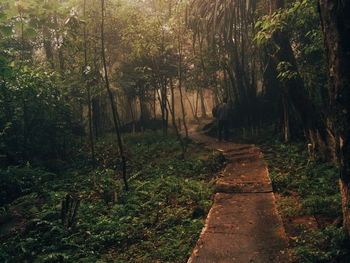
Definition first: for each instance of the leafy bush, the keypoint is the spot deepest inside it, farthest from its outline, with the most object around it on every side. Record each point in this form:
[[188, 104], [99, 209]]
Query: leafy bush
[[326, 245], [19, 181], [36, 123]]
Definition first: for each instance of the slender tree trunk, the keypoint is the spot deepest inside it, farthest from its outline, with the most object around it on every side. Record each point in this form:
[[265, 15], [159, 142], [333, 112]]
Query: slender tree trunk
[[59, 48], [191, 107], [179, 73], [154, 104], [165, 112], [96, 117], [113, 105], [285, 118], [132, 115], [162, 98], [172, 105], [142, 114], [177, 132], [47, 45], [200, 92], [336, 31], [88, 87], [196, 108], [203, 109], [25, 154]]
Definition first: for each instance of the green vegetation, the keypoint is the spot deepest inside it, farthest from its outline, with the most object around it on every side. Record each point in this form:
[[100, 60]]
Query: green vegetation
[[310, 203], [37, 123], [308, 198], [160, 218], [76, 73]]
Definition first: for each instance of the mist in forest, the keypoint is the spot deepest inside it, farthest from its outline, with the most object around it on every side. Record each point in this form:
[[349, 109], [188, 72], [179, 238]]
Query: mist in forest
[[102, 101]]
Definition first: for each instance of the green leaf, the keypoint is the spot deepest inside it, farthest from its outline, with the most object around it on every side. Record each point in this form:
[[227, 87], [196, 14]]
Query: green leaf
[[30, 32], [6, 30], [258, 23], [2, 16]]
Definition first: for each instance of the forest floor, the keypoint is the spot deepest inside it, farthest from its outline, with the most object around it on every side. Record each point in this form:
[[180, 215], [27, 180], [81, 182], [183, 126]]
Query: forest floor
[[158, 220], [243, 224]]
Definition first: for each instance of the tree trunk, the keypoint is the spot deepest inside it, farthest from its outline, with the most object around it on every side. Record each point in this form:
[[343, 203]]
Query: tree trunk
[[196, 108], [113, 105], [172, 112], [165, 113], [191, 107], [179, 73], [154, 104], [133, 129], [203, 109], [162, 98], [172, 105], [285, 118], [47, 44], [336, 30], [88, 87]]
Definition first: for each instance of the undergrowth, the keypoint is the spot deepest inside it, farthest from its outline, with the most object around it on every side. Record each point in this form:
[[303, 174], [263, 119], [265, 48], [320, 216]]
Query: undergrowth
[[308, 197], [158, 220]]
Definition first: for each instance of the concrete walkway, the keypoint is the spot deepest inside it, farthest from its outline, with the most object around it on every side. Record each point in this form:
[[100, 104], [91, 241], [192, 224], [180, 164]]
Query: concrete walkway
[[243, 225]]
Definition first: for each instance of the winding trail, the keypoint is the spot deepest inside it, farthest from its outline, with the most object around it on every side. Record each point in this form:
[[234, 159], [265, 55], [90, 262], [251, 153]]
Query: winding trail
[[243, 225]]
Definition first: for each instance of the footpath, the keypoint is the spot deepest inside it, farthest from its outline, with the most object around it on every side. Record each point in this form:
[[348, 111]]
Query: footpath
[[243, 225]]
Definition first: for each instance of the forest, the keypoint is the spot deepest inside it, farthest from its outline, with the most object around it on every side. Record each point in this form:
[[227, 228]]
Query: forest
[[101, 102]]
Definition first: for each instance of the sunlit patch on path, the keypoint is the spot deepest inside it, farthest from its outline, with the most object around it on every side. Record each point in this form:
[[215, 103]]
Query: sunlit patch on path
[[243, 225]]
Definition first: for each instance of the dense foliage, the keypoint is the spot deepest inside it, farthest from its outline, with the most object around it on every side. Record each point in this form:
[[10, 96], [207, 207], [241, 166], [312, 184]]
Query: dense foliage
[[37, 123], [160, 218]]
